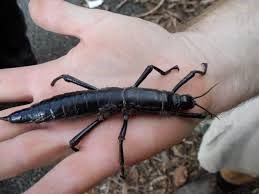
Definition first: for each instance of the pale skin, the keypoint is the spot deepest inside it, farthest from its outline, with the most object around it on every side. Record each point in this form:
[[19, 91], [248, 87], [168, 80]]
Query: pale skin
[[114, 50]]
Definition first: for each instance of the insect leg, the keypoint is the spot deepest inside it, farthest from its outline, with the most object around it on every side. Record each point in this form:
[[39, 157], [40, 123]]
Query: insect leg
[[148, 71], [69, 78], [121, 139], [75, 141], [190, 115], [190, 76]]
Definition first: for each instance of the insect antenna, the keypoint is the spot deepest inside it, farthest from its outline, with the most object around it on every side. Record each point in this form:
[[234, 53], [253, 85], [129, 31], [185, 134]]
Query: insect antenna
[[206, 91], [210, 113]]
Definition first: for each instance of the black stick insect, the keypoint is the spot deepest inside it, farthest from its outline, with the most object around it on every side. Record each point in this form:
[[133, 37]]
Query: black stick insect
[[108, 101]]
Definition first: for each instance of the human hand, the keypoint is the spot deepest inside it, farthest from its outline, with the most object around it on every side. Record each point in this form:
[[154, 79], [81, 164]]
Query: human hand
[[114, 50], [123, 46]]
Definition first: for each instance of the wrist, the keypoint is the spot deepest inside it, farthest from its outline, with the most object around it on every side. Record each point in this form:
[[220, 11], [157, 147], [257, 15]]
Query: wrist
[[236, 81], [228, 38]]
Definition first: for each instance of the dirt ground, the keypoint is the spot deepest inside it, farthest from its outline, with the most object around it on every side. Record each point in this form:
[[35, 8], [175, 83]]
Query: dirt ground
[[165, 172]]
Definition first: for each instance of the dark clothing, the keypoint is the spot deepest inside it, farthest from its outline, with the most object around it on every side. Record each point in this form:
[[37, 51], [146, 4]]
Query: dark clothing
[[15, 48]]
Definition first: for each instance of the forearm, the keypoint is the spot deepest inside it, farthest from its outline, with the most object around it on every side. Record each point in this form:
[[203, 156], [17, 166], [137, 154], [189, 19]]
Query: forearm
[[228, 39]]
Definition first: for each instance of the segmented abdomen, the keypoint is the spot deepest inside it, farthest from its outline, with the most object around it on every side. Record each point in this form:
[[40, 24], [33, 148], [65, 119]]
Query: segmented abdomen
[[72, 104], [68, 105], [82, 102]]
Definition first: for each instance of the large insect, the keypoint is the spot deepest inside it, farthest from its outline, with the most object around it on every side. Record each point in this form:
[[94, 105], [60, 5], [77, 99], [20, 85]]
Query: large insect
[[108, 101]]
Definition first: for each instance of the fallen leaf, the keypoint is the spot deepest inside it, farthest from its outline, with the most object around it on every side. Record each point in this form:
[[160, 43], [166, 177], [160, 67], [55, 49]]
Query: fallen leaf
[[125, 188], [180, 176]]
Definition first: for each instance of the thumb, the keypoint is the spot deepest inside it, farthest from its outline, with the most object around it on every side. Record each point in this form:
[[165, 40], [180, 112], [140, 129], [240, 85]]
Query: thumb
[[63, 17]]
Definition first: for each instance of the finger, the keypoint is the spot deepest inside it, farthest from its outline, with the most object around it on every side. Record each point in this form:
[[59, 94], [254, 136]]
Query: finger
[[14, 85], [38, 86], [32, 83], [98, 157], [76, 174], [10, 130], [30, 150], [63, 17], [39, 147]]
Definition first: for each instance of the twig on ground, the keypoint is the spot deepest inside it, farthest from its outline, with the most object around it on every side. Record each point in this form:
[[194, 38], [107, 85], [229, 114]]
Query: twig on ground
[[152, 10], [120, 5]]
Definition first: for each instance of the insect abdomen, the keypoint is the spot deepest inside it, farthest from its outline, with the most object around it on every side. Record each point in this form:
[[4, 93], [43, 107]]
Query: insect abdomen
[[68, 105]]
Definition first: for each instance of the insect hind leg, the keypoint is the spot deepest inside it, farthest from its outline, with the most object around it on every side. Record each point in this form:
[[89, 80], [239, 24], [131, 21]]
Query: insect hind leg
[[69, 78]]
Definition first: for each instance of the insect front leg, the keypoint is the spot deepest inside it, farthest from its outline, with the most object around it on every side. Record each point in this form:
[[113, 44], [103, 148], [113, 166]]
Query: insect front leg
[[76, 140], [69, 78], [148, 71], [121, 139], [189, 76], [190, 115]]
